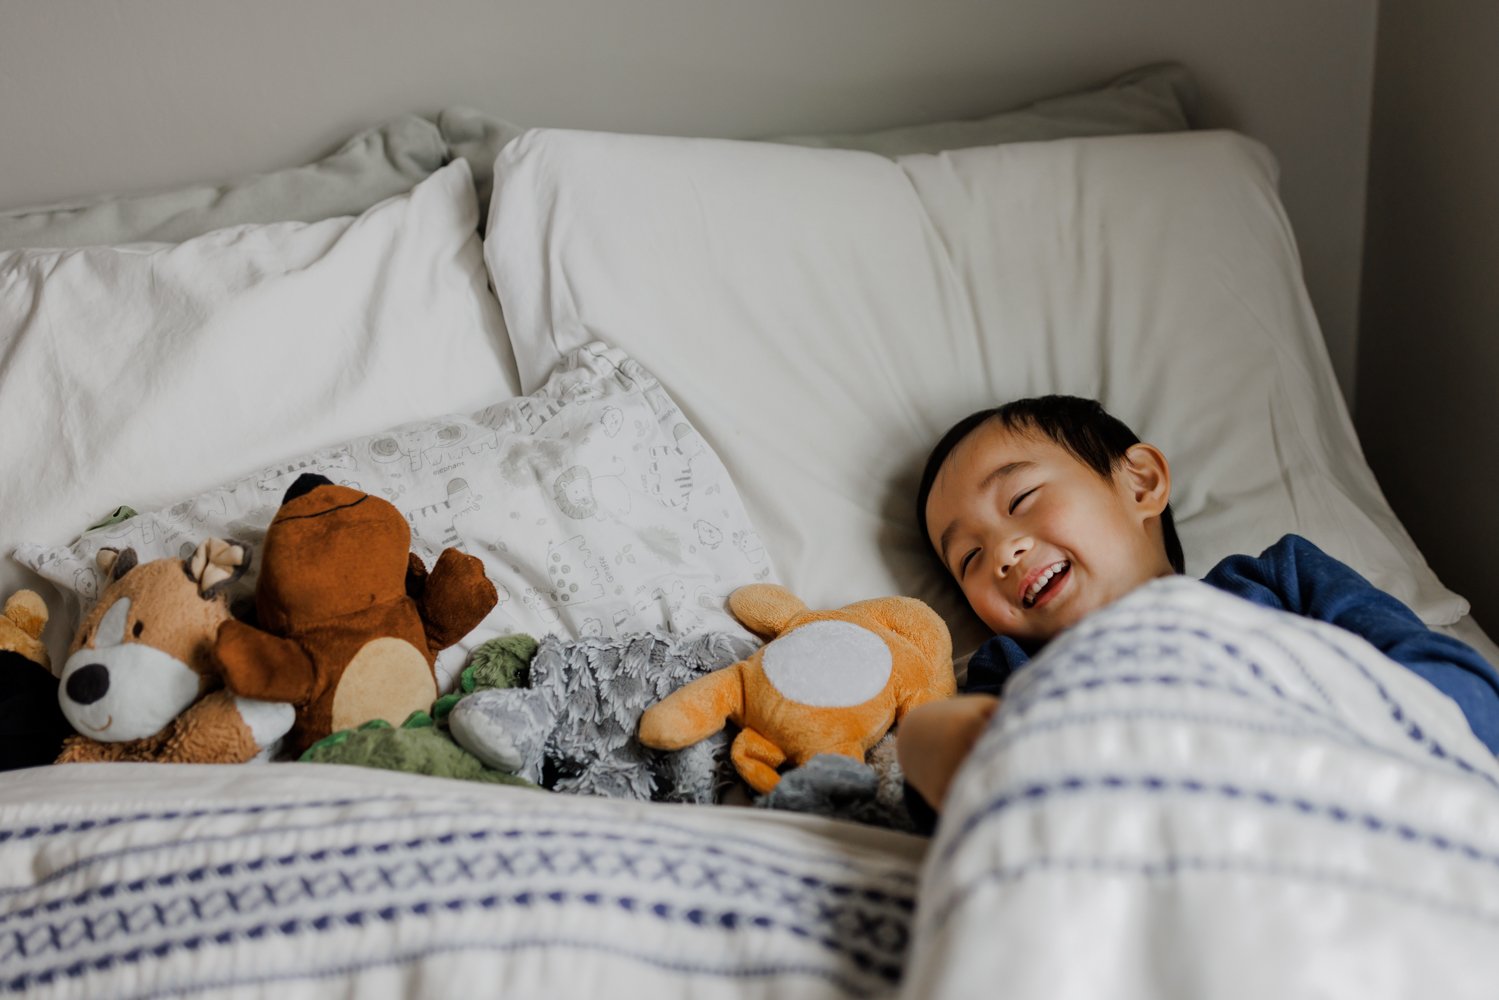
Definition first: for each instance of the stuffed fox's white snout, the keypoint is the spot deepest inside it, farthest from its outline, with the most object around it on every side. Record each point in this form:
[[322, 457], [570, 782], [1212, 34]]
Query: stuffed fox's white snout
[[116, 689]]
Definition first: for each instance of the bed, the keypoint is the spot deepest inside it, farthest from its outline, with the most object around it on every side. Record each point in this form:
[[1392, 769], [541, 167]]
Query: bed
[[631, 373]]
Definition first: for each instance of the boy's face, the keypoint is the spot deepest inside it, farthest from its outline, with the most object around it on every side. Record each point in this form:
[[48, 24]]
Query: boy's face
[[1036, 538]]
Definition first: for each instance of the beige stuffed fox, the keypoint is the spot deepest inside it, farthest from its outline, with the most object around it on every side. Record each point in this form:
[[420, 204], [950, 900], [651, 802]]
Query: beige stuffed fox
[[140, 684]]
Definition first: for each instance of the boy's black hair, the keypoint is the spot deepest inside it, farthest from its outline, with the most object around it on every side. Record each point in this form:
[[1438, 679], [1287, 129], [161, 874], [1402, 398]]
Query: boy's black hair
[[1082, 426]]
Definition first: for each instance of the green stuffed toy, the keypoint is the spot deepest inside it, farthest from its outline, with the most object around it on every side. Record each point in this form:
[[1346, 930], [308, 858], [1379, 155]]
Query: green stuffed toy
[[421, 744]]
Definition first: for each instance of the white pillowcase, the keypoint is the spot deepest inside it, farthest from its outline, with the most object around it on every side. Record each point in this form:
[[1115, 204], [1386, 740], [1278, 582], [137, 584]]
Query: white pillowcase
[[593, 504], [823, 316], [137, 374]]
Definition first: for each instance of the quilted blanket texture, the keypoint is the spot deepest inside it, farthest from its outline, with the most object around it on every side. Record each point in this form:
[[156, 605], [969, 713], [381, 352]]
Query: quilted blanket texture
[[1191, 796]]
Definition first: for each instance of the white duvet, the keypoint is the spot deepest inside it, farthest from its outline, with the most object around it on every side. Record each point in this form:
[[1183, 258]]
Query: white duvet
[[1190, 796], [1186, 796]]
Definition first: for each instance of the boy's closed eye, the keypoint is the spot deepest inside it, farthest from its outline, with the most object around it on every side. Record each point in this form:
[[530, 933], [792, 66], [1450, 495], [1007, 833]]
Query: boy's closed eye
[[1021, 497]]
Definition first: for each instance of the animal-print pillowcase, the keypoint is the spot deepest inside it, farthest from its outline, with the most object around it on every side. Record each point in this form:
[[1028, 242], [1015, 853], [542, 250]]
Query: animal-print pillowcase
[[596, 507]]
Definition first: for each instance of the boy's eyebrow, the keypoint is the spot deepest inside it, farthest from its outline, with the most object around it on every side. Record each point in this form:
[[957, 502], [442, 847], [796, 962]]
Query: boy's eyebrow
[[1008, 469], [1002, 472]]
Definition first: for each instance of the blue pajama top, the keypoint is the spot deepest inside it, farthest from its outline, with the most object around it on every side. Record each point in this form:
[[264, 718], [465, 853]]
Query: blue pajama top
[[1294, 575]]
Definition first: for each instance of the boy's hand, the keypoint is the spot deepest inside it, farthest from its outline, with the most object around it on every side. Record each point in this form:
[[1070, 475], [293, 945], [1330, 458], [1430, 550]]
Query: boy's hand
[[933, 739]]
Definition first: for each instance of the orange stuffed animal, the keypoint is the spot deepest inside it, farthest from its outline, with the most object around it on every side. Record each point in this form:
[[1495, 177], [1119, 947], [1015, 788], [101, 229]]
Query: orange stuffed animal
[[826, 682]]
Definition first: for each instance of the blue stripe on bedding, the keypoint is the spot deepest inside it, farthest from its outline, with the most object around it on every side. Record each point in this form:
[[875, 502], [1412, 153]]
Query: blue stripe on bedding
[[882, 958], [850, 985], [1101, 647], [175, 815], [1124, 643], [560, 816], [542, 870], [1171, 868], [1398, 713], [1037, 794], [1075, 719], [521, 841], [743, 849], [1061, 690]]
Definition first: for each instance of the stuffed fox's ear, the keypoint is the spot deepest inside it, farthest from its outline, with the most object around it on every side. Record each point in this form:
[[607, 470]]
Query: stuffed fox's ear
[[765, 608], [216, 563], [115, 563]]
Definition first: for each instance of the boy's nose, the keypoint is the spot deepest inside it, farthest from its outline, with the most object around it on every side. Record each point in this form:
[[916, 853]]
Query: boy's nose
[[1015, 550]]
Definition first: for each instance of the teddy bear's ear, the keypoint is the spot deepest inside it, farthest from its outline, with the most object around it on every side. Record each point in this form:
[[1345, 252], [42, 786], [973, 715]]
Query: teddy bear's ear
[[115, 563], [27, 610], [216, 563], [306, 483], [765, 608]]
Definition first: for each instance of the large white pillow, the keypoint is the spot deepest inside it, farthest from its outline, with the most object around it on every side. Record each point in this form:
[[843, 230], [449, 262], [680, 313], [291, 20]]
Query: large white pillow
[[139, 374], [593, 504], [822, 316]]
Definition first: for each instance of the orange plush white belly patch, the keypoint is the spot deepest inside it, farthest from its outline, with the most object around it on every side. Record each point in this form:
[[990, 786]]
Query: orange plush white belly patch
[[828, 664], [826, 682]]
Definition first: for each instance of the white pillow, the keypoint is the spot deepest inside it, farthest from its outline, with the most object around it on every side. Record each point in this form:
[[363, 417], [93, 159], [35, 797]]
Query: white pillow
[[593, 504], [822, 316], [136, 374]]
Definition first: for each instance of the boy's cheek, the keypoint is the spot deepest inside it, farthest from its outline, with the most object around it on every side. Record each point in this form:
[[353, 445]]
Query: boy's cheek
[[991, 609]]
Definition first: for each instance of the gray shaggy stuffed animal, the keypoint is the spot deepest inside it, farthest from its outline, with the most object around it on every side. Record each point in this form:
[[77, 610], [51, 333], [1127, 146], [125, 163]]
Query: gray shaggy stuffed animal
[[572, 729]]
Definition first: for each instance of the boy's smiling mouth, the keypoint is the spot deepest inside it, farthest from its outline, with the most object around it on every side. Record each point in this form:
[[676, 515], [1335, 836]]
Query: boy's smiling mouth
[[1043, 583]]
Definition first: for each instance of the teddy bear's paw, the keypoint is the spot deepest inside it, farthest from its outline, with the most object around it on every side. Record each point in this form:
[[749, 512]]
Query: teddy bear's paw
[[506, 728]]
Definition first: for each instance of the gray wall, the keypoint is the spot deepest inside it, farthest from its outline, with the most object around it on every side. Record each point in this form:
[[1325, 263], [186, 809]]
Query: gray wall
[[1429, 350], [126, 95]]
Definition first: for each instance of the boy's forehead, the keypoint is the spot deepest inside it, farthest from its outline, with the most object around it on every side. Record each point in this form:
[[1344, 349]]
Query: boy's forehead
[[993, 445]]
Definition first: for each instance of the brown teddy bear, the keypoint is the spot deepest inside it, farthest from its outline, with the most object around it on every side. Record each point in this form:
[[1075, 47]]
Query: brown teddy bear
[[32, 726], [826, 682], [350, 622], [140, 683]]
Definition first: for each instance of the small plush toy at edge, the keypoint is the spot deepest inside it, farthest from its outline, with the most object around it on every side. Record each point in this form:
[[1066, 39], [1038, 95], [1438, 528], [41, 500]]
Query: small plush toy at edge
[[825, 682], [32, 726]]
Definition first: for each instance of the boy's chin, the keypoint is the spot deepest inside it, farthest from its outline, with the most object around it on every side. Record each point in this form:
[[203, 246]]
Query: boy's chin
[[1041, 627], [1054, 625]]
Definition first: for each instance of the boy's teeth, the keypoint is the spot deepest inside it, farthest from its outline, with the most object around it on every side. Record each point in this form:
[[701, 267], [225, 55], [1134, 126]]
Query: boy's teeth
[[1042, 581]]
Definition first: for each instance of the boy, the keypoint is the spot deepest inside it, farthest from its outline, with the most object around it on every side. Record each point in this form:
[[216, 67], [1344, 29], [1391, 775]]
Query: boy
[[1046, 509]]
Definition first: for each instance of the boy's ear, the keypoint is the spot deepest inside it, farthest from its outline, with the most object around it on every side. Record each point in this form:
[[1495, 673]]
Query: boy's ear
[[1148, 478]]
